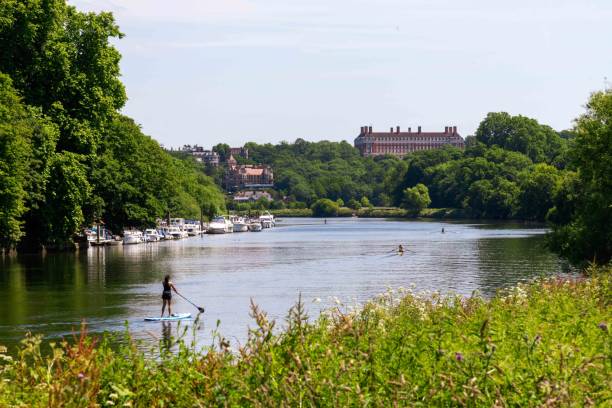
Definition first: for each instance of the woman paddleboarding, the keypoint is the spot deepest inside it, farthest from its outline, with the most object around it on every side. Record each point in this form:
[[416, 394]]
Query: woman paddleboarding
[[167, 295]]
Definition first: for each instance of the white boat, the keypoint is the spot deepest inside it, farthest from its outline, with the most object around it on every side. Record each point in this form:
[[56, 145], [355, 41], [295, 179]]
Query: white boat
[[132, 237], [240, 225], [267, 220], [255, 226], [176, 233], [220, 225], [151, 235], [192, 229], [178, 228]]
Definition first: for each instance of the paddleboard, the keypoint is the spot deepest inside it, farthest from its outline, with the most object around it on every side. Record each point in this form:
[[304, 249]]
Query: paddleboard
[[174, 316]]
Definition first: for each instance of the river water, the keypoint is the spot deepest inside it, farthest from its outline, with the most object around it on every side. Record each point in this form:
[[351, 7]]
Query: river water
[[351, 259]]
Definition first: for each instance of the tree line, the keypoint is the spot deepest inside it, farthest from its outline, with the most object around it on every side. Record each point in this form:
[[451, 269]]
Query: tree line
[[512, 168], [67, 156]]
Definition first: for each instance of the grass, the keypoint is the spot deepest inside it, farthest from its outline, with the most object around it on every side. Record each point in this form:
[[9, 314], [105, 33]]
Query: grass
[[546, 343]]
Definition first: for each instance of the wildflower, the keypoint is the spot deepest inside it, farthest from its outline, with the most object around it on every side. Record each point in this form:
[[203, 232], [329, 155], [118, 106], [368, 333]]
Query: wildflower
[[458, 356], [81, 376], [603, 326]]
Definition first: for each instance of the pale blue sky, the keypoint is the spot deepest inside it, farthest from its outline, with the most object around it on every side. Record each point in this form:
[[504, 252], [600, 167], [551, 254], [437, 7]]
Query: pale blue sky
[[209, 71]]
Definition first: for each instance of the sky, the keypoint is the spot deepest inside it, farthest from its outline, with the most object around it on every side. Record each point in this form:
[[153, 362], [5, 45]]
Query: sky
[[232, 71]]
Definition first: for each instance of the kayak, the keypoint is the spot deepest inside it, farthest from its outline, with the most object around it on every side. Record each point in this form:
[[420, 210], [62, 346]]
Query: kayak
[[174, 316]]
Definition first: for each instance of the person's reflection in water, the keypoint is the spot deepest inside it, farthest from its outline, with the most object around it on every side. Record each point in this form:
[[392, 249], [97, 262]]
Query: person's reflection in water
[[167, 335]]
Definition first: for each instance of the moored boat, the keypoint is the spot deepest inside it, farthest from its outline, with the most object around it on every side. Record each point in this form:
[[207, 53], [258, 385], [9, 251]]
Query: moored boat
[[240, 225], [255, 226], [151, 235], [131, 237], [220, 225], [267, 220]]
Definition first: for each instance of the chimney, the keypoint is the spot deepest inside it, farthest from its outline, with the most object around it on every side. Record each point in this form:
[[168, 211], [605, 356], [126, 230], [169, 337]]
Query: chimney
[[454, 129], [409, 130], [370, 129], [397, 128], [445, 129], [391, 130], [419, 129], [361, 132]]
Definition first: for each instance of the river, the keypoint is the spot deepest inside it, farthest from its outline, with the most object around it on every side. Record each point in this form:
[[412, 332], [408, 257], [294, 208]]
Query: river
[[349, 259]]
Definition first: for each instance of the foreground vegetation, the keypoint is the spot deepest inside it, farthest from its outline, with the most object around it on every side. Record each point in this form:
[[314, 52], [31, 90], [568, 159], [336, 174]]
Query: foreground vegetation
[[545, 343]]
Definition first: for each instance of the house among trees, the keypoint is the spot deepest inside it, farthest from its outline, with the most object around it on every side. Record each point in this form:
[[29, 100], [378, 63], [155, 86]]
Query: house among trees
[[247, 176], [239, 151], [399, 143], [209, 157]]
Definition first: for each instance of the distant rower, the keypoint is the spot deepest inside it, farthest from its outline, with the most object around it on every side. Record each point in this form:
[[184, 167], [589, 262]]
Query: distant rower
[[400, 249], [443, 230]]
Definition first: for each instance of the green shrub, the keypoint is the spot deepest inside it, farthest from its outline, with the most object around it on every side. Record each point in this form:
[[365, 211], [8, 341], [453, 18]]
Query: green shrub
[[324, 207]]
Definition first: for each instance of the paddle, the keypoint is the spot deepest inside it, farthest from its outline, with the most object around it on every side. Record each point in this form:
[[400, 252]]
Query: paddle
[[201, 309]]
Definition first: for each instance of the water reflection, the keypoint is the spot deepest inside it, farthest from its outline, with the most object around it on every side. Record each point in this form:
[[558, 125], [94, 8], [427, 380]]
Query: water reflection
[[347, 258]]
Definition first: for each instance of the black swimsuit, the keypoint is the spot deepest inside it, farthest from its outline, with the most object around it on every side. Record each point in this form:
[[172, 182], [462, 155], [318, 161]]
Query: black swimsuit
[[167, 293]]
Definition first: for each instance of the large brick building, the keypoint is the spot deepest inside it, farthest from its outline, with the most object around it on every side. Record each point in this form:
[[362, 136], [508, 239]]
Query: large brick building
[[247, 176], [399, 143]]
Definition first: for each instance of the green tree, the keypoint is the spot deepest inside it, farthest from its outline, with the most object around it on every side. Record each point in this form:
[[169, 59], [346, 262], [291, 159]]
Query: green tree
[[586, 234], [365, 202], [27, 142], [354, 204], [62, 61], [416, 198], [324, 207], [495, 198], [340, 202], [67, 191], [537, 186], [519, 133], [223, 150]]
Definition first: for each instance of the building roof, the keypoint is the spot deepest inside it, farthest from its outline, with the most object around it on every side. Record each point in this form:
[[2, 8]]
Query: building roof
[[250, 171]]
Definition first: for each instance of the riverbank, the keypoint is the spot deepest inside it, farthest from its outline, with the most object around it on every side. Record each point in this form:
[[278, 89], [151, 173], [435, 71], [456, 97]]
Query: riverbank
[[379, 212], [544, 343]]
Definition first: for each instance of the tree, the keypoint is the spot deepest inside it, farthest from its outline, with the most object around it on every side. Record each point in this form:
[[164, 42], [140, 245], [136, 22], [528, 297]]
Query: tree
[[354, 204], [223, 150], [340, 202], [416, 198], [27, 142], [324, 207], [365, 202], [519, 133], [586, 234], [537, 186], [62, 61], [492, 198]]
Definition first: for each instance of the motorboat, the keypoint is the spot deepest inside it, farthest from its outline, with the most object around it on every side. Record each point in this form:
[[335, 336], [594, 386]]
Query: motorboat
[[151, 235], [255, 226], [132, 237], [177, 233], [220, 225], [192, 229], [240, 225], [267, 220]]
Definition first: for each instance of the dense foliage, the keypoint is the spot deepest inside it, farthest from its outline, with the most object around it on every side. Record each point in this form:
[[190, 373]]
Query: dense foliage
[[511, 169], [67, 157], [306, 171], [541, 344], [582, 215]]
